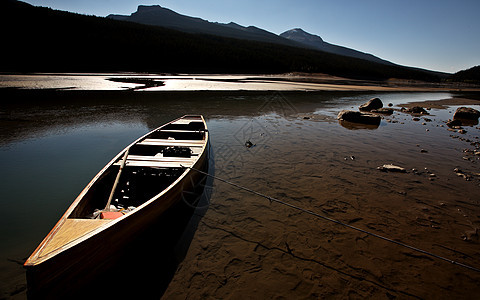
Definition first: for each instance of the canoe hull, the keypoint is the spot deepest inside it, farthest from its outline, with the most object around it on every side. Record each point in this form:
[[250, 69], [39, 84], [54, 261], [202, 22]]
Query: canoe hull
[[74, 267]]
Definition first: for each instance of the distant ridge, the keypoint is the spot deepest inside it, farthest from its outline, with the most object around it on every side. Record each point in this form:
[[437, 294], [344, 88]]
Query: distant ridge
[[164, 17], [316, 42]]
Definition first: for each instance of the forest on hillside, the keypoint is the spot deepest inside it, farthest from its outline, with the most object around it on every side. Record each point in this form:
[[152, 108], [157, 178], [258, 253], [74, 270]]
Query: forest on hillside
[[471, 75], [44, 40]]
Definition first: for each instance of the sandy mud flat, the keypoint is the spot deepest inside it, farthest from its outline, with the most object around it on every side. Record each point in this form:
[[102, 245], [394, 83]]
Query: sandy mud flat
[[241, 245], [246, 246]]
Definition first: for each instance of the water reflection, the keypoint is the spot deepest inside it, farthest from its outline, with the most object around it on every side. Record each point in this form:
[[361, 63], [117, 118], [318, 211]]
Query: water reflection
[[356, 126], [468, 122], [43, 112]]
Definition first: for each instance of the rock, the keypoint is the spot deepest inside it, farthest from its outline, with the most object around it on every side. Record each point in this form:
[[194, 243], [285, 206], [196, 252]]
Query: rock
[[390, 104], [392, 168], [467, 113], [453, 123], [374, 103], [358, 117], [470, 235], [415, 110], [383, 110], [249, 144]]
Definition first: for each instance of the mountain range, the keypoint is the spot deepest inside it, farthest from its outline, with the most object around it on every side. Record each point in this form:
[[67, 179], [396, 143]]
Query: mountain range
[[160, 16], [41, 39]]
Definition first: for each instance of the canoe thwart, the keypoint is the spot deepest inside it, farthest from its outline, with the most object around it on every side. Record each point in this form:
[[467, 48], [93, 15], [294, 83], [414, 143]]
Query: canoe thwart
[[178, 143]]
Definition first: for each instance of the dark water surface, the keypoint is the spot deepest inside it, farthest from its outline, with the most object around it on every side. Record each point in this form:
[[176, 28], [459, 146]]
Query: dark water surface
[[53, 142]]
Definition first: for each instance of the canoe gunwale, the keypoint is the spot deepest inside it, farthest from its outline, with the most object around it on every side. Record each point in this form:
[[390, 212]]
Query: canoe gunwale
[[37, 257]]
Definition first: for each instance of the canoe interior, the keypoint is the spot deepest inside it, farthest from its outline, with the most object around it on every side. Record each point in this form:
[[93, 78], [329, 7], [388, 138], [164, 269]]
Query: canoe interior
[[153, 164], [136, 186]]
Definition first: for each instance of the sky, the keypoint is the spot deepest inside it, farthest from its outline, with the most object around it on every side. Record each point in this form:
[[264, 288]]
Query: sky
[[439, 35]]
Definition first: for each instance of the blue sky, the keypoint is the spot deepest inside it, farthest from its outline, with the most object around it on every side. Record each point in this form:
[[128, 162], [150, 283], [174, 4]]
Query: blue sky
[[439, 35]]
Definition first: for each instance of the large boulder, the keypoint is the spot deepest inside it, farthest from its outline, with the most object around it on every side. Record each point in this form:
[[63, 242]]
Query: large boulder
[[466, 113], [374, 103], [358, 117]]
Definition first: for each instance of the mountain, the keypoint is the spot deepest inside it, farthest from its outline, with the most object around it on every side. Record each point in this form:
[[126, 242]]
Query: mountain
[[41, 39], [160, 16], [316, 42], [164, 17]]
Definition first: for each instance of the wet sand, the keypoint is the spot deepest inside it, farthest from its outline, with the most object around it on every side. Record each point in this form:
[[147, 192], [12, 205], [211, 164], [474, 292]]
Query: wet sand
[[246, 247]]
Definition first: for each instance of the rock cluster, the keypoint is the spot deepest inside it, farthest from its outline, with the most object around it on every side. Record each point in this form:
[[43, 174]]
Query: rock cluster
[[364, 116]]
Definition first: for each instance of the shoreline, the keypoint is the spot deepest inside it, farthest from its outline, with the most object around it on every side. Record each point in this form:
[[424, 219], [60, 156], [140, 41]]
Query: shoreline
[[444, 103], [293, 82]]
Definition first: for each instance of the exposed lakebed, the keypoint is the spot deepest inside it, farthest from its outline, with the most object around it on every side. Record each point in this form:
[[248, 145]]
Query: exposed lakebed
[[53, 143]]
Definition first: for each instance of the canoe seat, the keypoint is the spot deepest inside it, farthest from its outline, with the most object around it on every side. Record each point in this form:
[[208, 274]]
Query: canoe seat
[[171, 143], [154, 164], [156, 161], [160, 158], [181, 130]]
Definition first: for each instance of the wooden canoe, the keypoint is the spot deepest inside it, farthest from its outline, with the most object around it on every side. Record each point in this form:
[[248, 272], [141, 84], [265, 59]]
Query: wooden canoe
[[153, 176]]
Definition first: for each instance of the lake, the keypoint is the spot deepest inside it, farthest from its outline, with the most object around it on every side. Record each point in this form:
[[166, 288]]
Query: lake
[[54, 142]]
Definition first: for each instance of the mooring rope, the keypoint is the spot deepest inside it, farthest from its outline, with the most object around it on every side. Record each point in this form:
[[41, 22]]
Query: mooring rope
[[271, 199]]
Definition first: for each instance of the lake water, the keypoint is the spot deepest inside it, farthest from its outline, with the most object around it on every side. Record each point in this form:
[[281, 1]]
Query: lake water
[[53, 143]]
